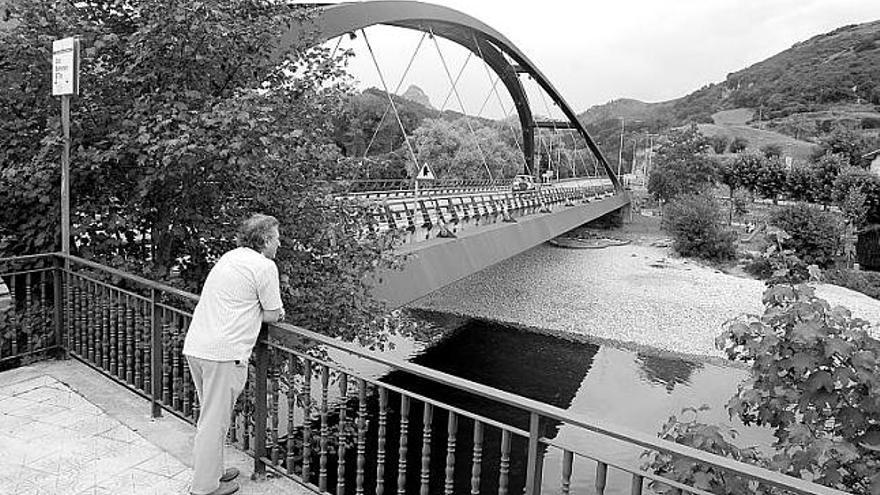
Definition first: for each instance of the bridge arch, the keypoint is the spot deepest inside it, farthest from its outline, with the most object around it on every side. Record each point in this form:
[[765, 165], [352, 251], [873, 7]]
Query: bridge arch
[[495, 49]]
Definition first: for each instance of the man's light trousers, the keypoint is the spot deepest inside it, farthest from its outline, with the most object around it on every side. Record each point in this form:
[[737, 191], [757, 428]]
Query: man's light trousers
[[218, 384]]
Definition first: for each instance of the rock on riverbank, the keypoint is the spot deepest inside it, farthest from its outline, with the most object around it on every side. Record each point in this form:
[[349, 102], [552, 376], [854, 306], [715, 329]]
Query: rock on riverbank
[[634, 294]]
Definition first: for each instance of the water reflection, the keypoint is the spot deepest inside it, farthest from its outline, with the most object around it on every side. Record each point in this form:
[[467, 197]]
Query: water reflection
[[637, 391], [665, 371]]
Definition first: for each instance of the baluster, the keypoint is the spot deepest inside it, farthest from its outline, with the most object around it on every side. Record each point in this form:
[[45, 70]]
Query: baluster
[[404, 431], [427, 418], [601, 477], [361, 436], [167, 368], [12, 291], [291, 405], [177, 364], [340, 448], [44, 313], [29, 310], [504, 469], [103, 322], [77, 317], [307, 420], [132, 372], [274, 401], [567, 459], [325, 430], [380, 451], [146, 345], [142, 323], [68, 310], [188, 387], [91, 324], [452, 430], [477, 464], [637, 482], [245, 420], [114, 334]]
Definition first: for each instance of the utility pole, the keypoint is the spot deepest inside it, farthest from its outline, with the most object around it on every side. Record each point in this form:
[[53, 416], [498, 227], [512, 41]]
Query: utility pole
[[620, 149]]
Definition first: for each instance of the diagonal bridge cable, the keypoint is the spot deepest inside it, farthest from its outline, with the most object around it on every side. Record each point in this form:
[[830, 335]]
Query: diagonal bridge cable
[[409, 147], [399, 84], [461, 104]]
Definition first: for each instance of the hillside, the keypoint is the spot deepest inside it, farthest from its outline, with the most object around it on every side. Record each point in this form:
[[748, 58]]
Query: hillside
[[793, 98]]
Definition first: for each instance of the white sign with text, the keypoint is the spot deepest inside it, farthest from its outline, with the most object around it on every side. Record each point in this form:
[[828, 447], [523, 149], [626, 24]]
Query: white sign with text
[[65, 67]]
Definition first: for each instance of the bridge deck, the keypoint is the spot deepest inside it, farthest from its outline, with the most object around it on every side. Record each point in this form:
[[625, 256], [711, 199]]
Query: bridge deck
[[436, 262]]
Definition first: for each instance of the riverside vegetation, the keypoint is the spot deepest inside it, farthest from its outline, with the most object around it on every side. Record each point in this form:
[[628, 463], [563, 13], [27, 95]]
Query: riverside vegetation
[[815, 369]]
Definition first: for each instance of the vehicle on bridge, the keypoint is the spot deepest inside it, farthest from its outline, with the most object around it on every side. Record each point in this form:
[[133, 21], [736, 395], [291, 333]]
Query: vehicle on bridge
[[524, 183]]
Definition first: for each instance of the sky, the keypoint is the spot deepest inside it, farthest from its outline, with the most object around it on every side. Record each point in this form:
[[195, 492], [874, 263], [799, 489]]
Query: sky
[[596, 51]]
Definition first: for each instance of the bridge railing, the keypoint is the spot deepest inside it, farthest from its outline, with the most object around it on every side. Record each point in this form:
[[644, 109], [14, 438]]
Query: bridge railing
[[426, 217], [311, 412]]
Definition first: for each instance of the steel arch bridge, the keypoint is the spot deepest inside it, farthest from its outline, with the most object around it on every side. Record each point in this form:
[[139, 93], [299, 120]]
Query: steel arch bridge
[[499, 53]]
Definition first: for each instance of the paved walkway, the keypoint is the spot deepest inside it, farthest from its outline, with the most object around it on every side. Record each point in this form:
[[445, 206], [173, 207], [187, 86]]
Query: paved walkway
[[65, 429]]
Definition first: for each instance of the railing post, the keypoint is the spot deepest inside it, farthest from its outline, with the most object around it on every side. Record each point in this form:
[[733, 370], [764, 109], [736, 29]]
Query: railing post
[[261, 363], [535, 464], [156, 348], [58, 316]]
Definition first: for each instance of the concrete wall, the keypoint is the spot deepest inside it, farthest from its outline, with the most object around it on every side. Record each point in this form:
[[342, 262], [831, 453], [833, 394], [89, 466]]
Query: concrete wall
[[436, 263]]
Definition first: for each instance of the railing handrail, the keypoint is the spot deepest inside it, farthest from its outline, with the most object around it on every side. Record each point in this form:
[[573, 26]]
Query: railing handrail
[[134, 278], [575, 419]]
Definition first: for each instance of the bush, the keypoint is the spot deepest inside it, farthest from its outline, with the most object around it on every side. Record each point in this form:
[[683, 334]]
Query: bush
[[815, 234], [694, 221], [739, 144], [759, 268], [867, 283], [772, 150]]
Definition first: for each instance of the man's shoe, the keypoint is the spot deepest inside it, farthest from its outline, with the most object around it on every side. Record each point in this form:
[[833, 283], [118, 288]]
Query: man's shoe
[[225, 489], [229, 475]]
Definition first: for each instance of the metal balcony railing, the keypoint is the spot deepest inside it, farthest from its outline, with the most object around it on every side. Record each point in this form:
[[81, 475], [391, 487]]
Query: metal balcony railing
[[309, 413]]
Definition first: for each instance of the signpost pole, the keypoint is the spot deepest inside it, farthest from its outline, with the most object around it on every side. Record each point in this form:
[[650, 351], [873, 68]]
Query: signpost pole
[[65, 83], [65, 178]]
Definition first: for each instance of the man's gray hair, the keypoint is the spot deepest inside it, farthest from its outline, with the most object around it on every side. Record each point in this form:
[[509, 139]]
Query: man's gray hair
[[253, 232]]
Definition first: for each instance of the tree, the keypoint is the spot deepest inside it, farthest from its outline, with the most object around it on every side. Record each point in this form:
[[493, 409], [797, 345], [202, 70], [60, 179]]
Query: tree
[[187, 123], [850, 144], [682, 165]]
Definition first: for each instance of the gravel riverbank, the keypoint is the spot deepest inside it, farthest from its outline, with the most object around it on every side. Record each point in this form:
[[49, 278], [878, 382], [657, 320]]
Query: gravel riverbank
[[638, 295]]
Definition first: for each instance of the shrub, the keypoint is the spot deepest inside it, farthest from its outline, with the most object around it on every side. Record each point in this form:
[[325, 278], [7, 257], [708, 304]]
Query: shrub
[[719, 143], [868, 283], [694, 221], [739, 144], [814, 234], [773, 150], [759, 268]]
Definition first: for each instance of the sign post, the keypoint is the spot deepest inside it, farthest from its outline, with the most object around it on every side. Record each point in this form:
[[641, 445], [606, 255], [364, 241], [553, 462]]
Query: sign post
[[65, 82], [425, 173]]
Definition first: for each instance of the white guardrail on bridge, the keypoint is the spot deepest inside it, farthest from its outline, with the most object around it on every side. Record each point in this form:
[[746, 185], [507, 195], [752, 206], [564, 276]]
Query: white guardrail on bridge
[[446, 212]]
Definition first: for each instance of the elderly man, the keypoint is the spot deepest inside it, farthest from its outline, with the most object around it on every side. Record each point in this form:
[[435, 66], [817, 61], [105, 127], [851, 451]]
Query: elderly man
[[241, 292]]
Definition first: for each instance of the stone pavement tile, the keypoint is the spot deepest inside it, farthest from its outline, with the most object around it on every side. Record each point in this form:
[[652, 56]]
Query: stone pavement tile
[[10, 405], [28, 409], [122, 433], [10, 423], [94, 425], [20, 452], [36, 430], [14, 387], [133, 482], [162, 464]]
